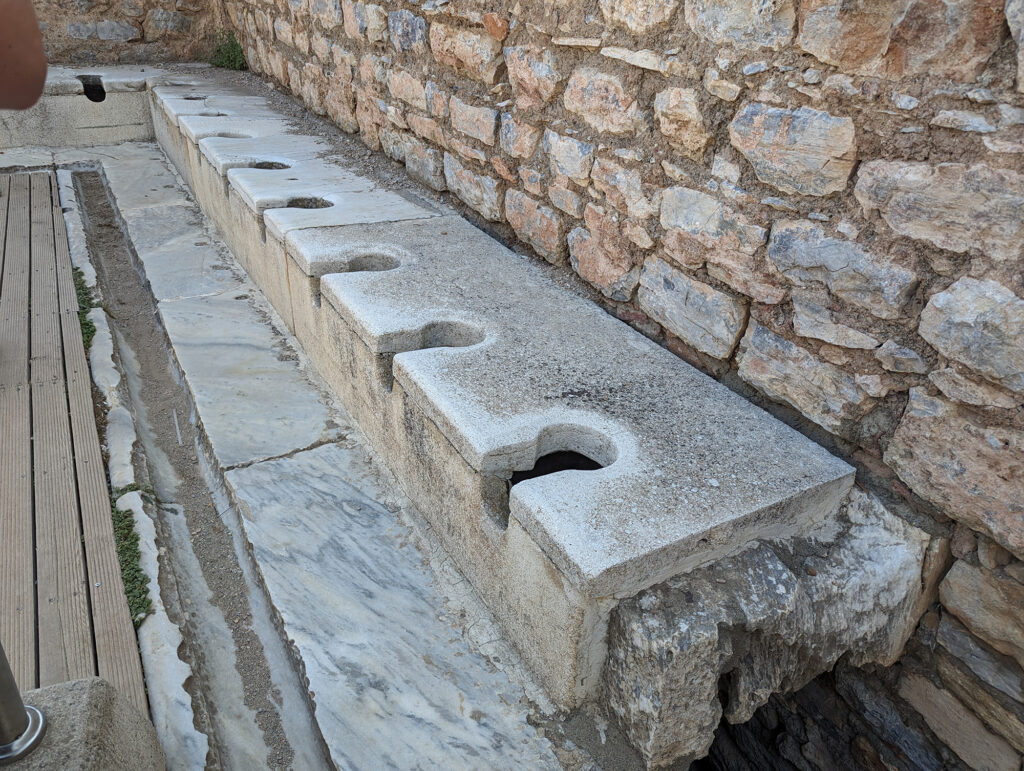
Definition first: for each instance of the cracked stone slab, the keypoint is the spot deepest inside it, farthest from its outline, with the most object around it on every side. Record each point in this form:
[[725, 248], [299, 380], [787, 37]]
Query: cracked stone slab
[[225, 153], [685, 475], [393, 683], [273, 410]]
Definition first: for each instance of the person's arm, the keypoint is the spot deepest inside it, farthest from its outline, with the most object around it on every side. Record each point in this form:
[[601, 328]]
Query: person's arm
[[22, 61]]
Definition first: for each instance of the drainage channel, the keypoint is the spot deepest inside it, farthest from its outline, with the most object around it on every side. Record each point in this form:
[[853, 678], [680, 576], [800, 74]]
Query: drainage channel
[[246, 694]]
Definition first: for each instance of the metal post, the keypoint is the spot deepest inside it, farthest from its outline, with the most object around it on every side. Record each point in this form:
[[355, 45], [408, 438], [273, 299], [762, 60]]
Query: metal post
[[21, 727]]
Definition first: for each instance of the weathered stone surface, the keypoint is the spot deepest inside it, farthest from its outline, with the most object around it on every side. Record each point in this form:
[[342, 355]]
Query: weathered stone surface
[[958, 388], [744, 24], [751, 276], [701, 316], [409, 89], [718, 86], [971, 472], [327, 12], [623, 188], [801, 151], [966, 687], [478, 191], [708, 222], [981, 325], [847, 36], [896, 358], [160, 22], [534, 75], [475, 54], [407, 31], [601, 256], [476, 122], [425, 163], [956, 727], [91, 727], [813, 319], [569, 157], [805, 255], [314, 87], [638, 16], [1000, 672], [365, 20], [121, 31], [339, 101], [770, 617], [963, 120], [787, 373], [680, 119], [602, 101], [1015, 19], [644, 59], [567, 200], [538, 225], [518, 139], [952, 205], [988, 604], [895, 38]]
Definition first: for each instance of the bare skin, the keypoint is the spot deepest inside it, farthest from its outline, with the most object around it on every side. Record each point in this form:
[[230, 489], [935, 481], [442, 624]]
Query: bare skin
[[22, 61]]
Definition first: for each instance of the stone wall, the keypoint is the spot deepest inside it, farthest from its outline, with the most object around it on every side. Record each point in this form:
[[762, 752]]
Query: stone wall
[[820, 203], [127, 31]]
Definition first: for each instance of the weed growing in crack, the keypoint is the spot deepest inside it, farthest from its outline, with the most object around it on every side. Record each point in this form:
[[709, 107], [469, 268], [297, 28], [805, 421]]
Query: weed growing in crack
[[85, 304], [228, 53], [126, 540]]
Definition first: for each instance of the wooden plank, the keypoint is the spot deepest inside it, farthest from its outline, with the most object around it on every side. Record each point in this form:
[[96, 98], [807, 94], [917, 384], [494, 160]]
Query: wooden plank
[[17, 561], [64, 621], [117, 652]]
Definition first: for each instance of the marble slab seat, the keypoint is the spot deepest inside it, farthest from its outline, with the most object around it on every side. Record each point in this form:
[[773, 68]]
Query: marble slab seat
[[65, 116], [464, 365]]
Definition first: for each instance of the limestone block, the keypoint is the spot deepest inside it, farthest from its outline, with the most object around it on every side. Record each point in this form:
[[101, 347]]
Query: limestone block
[[534, 75], [745, 24], [638, 16], [1000, 672], [623, 188], [969, 471], [408, 88], [467, 51], [848, 36], [602, 101], [117, 31], [990, 709], [518, 139], [957, 388], [896, 358], [808, 257], [538, 225], [981, 325], [364, 20], [709, 320], [770, 617], [826, 394], [812, 319], [602, 256], [159, 23], [680, 119], [568, 157], [425, 164], [407, 31], [478, 191], [473, 121], [708, 222], [952, 205], [804, 151], [957, 727], [91, 727]]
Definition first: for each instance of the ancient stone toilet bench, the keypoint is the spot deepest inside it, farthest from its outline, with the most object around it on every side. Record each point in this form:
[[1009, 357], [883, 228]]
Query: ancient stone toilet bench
[[681, 534]]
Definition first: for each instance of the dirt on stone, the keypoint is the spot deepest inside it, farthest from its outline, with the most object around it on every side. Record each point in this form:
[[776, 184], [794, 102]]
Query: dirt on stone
[[132, 311]]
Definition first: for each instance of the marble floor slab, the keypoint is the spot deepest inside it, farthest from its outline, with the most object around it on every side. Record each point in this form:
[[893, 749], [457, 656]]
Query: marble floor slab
[[395, 684]]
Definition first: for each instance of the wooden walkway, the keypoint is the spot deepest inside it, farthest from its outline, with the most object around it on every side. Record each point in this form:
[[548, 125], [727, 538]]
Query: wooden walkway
[[63, 613]]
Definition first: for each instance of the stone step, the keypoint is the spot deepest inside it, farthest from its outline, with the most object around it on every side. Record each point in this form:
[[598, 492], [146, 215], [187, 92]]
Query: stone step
[[465, 366]]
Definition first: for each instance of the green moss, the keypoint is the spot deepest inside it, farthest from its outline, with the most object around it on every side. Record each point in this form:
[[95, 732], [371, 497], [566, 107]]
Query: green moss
[[85, 304], [228, 53]]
